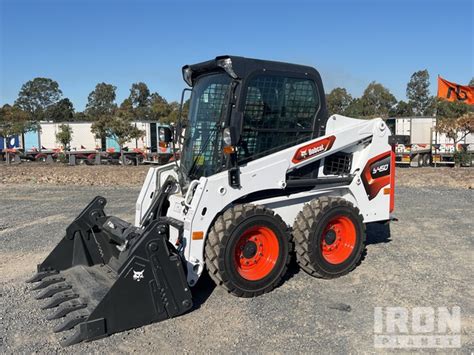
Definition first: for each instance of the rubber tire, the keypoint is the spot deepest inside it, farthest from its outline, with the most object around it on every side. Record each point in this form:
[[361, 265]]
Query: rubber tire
[[307, 233], [426, 160], [225, 233], [420, 161]]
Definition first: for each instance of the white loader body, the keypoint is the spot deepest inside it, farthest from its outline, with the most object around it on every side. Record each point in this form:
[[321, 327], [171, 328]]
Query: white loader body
[[210, 196]]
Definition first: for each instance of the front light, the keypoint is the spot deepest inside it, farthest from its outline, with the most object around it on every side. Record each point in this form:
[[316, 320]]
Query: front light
[[227, 137], [188, 75], [226, 64]]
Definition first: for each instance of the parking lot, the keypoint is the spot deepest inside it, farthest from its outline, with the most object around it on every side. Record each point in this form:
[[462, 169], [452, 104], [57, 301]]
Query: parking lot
[[425, 259]]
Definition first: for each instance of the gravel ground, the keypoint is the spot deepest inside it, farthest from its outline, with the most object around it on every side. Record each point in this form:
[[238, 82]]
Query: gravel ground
[[424, 259], [110, 175]]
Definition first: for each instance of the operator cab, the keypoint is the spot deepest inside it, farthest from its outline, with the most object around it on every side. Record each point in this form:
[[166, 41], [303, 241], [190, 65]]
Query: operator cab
[[242, 109]]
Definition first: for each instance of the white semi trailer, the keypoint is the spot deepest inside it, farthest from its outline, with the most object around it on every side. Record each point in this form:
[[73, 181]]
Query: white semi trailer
[[419, 144], [84, 146]]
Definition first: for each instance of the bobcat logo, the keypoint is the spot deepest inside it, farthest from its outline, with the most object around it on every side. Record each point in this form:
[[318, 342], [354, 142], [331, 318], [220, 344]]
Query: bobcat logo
[[138, 275]]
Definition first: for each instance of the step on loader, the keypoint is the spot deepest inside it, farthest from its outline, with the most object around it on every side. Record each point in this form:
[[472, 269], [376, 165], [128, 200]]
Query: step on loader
[[263, 173]]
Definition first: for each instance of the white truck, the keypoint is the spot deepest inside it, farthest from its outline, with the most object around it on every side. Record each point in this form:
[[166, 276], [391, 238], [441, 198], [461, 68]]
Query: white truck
[[417, 143]]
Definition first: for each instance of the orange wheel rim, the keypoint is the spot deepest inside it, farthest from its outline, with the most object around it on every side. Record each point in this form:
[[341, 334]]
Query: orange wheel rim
[[256, 253], [339, 239]]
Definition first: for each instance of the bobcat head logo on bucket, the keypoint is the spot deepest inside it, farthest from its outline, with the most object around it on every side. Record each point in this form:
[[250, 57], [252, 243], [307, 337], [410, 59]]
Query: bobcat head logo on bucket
[[138, 275]]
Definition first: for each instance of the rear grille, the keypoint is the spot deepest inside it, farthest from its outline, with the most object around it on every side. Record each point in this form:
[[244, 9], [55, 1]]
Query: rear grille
[[338, 164]]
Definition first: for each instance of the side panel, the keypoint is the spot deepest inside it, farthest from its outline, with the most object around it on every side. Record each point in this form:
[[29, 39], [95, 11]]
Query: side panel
[[31, 140], [48, 135], [421, 130], [82, 136]]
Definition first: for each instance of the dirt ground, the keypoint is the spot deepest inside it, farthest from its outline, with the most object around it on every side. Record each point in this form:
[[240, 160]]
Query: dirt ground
[[110, 175], [84, 175], [423, 260]]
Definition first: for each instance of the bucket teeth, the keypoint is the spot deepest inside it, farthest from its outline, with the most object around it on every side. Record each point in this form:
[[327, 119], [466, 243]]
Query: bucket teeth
[[41, 275], [75, 338], [48, 280], [59, 298], [51, 290], [67, 307], [71, 320]]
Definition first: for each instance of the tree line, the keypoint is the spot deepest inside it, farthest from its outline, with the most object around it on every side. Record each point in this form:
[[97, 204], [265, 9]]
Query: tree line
[[455, 119], [378, 101], [42, 99]]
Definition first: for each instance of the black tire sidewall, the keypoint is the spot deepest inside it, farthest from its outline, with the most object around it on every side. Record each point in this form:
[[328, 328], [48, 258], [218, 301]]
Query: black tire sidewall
[[316, 235], [232, 239]]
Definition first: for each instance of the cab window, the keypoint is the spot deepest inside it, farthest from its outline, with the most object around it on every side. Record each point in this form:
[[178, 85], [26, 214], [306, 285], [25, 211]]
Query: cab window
[[279, 112]]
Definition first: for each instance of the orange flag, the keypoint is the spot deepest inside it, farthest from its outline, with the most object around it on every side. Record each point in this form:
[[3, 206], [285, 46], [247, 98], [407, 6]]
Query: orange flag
[[455, 92]]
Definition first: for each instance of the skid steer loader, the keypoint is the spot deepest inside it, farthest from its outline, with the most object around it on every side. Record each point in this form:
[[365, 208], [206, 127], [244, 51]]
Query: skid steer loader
[[263, 173]]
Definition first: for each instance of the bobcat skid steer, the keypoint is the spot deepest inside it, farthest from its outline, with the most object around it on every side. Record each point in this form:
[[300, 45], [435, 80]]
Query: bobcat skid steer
[[263, 173]]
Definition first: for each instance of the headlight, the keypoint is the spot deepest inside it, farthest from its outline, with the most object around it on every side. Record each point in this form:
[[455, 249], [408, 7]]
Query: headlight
[[187, 75], [227, 137], [226, 64]]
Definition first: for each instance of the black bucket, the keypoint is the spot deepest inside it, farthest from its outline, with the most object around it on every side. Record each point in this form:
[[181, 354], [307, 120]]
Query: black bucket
[[107, 276]]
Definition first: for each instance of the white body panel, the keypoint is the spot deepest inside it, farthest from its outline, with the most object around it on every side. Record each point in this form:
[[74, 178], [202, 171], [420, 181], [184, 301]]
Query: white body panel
[[364, 138]]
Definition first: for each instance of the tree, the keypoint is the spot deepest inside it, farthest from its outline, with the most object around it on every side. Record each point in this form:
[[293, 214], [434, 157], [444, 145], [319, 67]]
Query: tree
[[37, 95], [140, 101], [376, 101], [402, 109], [355, 109], [13, 121], [100, 108], [456, 128], [338, 100], [62, 111], [159, 108], [80, 116], [418, 93], [64, 135], [471, 83], [455, 119], [122, 129], [449, 110], [101, 101], [140, 95], [118, 126]]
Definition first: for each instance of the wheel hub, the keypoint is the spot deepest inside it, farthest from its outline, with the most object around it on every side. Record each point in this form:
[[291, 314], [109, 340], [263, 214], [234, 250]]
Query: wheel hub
[[330, 237], [250, 249], [256, 253], [339, 239]]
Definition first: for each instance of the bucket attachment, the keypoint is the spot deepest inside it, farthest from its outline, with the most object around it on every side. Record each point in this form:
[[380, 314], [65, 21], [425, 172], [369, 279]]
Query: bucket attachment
[[106, 276]]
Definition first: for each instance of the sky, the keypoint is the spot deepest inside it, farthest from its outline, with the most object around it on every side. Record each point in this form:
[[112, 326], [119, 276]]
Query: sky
[[80, 43]]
